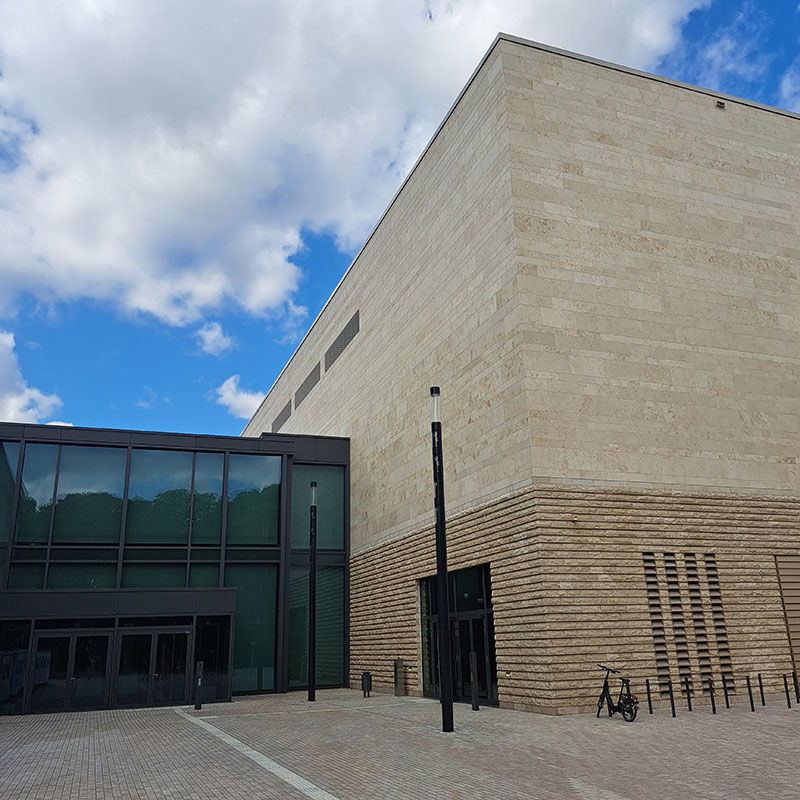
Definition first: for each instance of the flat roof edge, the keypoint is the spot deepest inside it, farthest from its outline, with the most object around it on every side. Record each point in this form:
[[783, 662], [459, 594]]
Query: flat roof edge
[[505, 37], [75, 434]]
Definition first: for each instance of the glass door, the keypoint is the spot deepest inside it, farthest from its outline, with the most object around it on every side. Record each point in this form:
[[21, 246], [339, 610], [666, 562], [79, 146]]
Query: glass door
[[70, 672], [133, 670], [49, 682], [171, 669], [89, 672], [153, 668]]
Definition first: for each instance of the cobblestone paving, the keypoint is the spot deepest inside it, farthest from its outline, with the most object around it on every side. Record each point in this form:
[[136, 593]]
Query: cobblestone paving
[[351, 748]]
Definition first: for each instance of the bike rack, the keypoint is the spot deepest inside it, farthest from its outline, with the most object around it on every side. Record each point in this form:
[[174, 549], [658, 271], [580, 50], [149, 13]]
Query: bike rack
[[786, 684]]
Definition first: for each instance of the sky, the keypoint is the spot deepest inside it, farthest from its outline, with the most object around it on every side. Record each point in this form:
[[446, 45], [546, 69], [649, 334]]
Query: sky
[[184, 182]]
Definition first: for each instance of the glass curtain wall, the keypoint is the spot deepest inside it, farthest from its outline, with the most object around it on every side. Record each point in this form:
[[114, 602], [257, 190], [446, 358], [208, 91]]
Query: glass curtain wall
[[330, 593], [106, 517]]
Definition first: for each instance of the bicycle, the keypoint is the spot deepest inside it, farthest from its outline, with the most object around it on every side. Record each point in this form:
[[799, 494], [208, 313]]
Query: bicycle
[[626, 704]]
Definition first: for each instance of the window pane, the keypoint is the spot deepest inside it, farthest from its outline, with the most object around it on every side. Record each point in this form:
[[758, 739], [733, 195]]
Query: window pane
[[9, 453], [330, 506], [203, 575], [89, 498], [14, 658], [36, 493], [207, 510], [158, 497], [153, 576], [330, 627], [469, 589], [254, 628], [82, 576], [26, 576], [253, 490]]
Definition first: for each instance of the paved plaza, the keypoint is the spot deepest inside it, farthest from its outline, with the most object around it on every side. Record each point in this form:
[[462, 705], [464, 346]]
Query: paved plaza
[[348, 748]]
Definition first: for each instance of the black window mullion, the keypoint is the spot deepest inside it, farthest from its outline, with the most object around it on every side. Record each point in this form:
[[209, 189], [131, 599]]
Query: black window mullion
[[124, 520]]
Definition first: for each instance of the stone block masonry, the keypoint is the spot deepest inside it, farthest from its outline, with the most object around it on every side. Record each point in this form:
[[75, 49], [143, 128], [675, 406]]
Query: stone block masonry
[[570, 589]]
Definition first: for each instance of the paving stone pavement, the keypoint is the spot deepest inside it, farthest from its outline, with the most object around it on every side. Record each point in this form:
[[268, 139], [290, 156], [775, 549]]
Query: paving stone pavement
[[349, 748]]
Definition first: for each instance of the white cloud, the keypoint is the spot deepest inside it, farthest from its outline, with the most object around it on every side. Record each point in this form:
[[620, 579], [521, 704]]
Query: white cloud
[[18, 401], [63, 424], [240, 403], [790, 87], [164, 157], [213, 340]]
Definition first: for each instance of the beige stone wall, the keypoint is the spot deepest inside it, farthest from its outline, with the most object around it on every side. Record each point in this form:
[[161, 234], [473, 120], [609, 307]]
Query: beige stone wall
[[435, 287], [569, 590], [659, 278], [601, 271]]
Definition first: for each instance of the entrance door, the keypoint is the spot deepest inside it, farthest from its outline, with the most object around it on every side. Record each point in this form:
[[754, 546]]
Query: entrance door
[[472, 634], [153, 668], [471, 630], [50, 679], [89, 672], [171, 669], [70, 672]]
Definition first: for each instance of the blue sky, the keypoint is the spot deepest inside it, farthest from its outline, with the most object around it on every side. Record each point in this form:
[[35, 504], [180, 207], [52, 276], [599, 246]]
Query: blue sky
[[182, 186]]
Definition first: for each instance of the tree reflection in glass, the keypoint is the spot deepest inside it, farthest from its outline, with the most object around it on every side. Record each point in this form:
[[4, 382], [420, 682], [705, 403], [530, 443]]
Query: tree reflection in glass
[[253, 490], [89, 496], [158, 497], [36, 493]]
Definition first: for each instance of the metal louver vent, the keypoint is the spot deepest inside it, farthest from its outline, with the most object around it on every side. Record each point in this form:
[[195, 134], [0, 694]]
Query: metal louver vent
[[341, 341], [280, 420], [306, 386]]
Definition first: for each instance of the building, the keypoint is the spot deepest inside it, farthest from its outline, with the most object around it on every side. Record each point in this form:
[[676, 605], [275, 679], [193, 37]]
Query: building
[[128, 557], [601, 269]]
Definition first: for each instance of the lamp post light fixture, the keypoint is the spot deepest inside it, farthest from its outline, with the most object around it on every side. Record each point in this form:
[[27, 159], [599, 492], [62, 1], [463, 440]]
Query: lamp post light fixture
[[443, 606], [312, 596]]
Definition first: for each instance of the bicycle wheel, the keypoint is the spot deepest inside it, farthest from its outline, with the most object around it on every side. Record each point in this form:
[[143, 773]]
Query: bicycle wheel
[[628, 711]]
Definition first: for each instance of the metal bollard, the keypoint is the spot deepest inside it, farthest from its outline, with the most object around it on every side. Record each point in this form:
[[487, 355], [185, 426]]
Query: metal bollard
[[711, 695], [786, 689], [761, 689], [473, 679], [198, 689], [366, 683], [399, 678], [688, 691], [671, 698], [649, 699], [796, 688], [725, 691], [750, 694]]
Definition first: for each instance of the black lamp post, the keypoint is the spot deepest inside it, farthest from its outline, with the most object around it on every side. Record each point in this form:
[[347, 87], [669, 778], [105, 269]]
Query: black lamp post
[[445, 672], [312, 596]]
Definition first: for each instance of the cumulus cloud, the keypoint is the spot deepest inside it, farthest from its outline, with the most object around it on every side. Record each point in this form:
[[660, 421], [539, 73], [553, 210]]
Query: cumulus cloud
[[239, 402], [213, 340], [18, 401], [165, 157]]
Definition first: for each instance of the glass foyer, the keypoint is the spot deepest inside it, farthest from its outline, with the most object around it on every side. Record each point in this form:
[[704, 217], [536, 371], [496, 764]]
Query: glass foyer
[[128, 557]]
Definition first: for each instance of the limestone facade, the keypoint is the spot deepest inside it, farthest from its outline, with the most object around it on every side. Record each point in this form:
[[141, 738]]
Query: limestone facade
[[601, 270]]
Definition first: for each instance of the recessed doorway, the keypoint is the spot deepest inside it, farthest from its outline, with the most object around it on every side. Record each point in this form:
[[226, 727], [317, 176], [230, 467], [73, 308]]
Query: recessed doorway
[[471, 630]]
